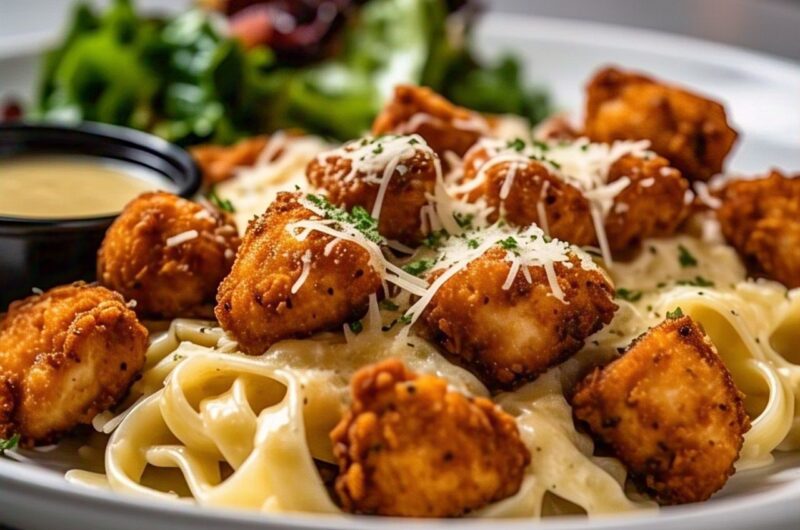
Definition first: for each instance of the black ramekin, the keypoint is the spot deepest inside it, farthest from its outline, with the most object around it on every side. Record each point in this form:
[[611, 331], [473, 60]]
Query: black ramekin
[[42, 253]]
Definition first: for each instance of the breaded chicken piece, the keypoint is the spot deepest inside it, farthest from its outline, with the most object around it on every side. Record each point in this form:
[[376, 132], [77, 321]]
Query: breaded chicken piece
[[652, 205], [65, 356], [761, 219], [167, 253], [507, 337], [692, 132], [264, 299], [410, 447], [420, 110], [219, 162], [568, 215], [412, 180], [669, 410]]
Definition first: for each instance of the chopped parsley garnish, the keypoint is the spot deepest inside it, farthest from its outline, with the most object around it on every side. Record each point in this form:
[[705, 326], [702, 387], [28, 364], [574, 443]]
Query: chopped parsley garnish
[[677, 313], [553, 163], [509, 243], [356, 327], [541, 145], [389, 305], [517, 144], [222, 204], [358, 218], [405, 319], [11, 443], [473, 243], [686, 258], [629, 295], [416, 268], [413, 141], [464, 221], [378, 149], [697, 281], [435, 239]]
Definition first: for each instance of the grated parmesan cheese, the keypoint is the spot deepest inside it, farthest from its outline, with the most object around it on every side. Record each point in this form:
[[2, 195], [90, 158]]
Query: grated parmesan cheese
[[582, 164], [181, 238]]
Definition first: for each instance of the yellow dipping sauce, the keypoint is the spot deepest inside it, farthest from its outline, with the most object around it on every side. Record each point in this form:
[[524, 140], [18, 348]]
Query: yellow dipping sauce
[[67, 186]]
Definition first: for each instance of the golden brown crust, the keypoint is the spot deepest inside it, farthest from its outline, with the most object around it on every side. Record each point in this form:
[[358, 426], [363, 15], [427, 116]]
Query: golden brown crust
[[692, 132], [410, 447], [509, 336], [255, 303], [445, 128], [669, 410], [761, 219], [405, 195], [66, 355], [652, 205], [219, 162], [8, 404], [568, 214], [167, 279]]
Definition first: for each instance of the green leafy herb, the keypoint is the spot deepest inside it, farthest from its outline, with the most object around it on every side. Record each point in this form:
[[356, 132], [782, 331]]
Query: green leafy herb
[[686, 258], [358, 218], [405, 319], [11, 443], [435, 239], [677, 313], [509, 243], [223, 204], [378, 149], [416, 268], [629, 295], [517, 144], [356, 327], [473, 243], [697, 281], [541, 145], [184, 79], [389, 305], [464, 220]]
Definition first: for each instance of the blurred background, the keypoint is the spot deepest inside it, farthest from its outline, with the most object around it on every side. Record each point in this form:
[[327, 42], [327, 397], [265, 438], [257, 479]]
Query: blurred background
[[766, 25]]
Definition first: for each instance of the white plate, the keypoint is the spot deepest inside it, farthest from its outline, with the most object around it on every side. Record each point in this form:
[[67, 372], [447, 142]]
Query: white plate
[[763, 98]]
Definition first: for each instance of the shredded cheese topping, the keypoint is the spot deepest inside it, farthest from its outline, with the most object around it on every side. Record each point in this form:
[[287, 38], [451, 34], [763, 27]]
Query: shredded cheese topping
[[181, 238], [379, 159], [581, 164]]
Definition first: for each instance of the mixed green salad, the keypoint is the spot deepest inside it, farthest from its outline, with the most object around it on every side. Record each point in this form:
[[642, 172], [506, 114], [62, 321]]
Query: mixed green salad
[[223, 72]]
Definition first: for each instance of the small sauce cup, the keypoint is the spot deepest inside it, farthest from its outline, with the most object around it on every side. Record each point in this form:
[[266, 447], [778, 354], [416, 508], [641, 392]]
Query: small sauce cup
[[41, 252]]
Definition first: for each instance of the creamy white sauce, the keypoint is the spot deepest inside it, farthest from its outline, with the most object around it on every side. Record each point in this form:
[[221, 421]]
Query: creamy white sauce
[[67, 186]]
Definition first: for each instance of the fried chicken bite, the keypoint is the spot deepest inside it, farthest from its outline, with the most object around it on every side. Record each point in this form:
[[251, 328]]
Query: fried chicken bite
[[508, 335], [354, 176], [652, 205], [168, 254], [65, 356], [218, 163], [283, 287], [692, 132], [534, 189], [420, 110], [761, 219], [669, 410], [410, 447]]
